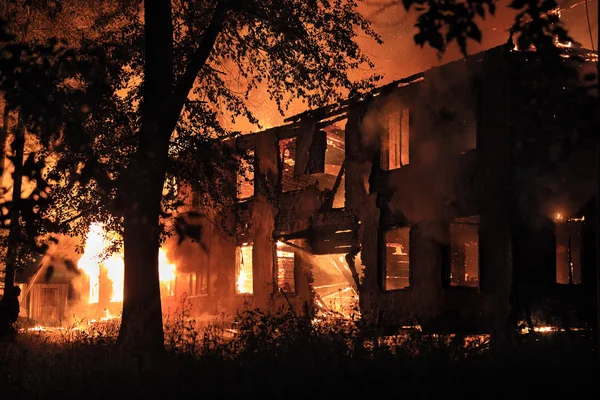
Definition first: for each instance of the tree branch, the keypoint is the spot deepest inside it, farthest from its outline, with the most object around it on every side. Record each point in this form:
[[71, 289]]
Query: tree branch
[[197, 61], [69, 220]]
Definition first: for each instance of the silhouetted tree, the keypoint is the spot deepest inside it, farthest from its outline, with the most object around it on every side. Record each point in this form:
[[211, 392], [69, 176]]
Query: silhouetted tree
[[35, 27], [152, 97]]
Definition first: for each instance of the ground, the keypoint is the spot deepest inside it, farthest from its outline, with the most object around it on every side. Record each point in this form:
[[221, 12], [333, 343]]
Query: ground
[[279, 356]]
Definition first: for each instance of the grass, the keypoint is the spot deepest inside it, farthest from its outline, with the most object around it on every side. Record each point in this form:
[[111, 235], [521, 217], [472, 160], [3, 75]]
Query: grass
[[280, 355]]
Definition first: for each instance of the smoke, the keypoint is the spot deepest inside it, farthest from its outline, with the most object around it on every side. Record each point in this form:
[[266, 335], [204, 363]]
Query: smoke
[[442, 110], [567, 190], [188, 255]]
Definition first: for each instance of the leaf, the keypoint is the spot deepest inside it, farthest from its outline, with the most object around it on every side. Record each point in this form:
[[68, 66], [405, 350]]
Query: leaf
[[475, 33], [479, 9], [517, 4]]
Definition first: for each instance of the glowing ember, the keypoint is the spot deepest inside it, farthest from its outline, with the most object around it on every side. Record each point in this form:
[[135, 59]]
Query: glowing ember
[[559, 216], [563, 217], [107, 317], [37, 328], [542, 329], [93, 261]]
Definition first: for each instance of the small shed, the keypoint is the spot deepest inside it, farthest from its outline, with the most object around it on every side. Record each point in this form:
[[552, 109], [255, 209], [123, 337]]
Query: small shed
[[47, 289]]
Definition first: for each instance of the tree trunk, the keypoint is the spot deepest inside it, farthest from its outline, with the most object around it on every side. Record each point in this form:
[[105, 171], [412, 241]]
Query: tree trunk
[[141, 325], [14, 235], [597, 145], [597, 207], [4, 135], [3, 138]]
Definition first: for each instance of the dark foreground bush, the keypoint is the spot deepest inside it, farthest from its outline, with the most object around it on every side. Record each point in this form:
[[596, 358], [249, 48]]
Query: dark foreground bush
[[279, 355]]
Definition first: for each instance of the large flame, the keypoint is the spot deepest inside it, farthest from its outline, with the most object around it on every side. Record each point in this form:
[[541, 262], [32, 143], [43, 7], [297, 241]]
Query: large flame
[[92, 262], [244, 269], [241, 283], [166, 272], [89, 261], [115, 269]]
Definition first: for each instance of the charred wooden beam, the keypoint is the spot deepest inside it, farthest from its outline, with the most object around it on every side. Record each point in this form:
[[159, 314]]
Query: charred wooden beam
[[248, 140], [321, 242], [350, 257], [328, 204], [323, 124], [316, 153], [324, 116], [335, 109], [293, 245], [303, 234], [304, 141]]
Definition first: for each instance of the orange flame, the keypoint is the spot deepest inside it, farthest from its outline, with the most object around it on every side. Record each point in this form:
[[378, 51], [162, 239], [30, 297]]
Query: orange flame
[[244, 261], [166, 272], [92, 261], [89, 262]]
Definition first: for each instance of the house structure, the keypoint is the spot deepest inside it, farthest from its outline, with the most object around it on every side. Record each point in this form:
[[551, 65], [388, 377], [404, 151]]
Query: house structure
[[47, 291], [456, 199]]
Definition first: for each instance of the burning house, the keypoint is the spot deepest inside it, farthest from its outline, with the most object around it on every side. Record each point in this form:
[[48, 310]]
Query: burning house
[[455, 199], [61, 286]]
